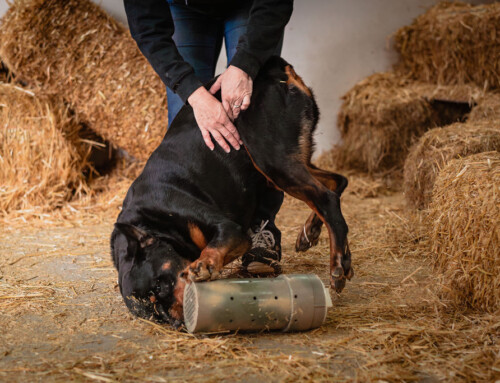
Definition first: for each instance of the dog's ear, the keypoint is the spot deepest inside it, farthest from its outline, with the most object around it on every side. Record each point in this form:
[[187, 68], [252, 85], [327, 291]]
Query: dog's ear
[[136, 233]]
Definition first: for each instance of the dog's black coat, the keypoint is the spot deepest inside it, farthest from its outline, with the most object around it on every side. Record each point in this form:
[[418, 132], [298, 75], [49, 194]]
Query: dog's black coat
[[184, 183]]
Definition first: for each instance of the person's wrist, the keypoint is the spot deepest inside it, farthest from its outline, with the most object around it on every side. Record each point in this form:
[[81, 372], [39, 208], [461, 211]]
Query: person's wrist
[[197, 95], [239, 70]]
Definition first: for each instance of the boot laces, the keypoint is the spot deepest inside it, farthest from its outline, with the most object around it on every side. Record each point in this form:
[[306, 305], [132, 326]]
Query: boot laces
[[263, 238]]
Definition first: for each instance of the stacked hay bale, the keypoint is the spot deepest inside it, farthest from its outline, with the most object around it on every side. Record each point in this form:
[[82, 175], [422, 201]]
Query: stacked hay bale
[[450, 103], [39, 168], [73, 50], [453, 173], [487, 108], [467, 94], [379, 118], [453, 43], [439, 146], [385, 113], [449, 56], [465, 237]]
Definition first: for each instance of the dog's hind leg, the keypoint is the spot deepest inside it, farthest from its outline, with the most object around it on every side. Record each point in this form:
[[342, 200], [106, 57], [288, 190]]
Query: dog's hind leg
[[310, 232], [309, 235], [292, 175]]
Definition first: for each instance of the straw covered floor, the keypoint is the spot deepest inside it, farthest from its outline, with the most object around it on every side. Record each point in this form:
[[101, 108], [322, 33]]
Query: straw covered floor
[[440, 145], [63, 317], [453, 43], [74, 51], [465, 238]]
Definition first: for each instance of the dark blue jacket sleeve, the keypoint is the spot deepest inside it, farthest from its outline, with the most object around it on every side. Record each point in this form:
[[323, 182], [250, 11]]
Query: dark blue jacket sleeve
[[151, 26], [266, 25]]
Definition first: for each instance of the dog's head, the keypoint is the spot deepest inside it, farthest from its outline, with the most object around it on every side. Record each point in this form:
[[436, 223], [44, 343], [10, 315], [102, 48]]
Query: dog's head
[[148, 273]]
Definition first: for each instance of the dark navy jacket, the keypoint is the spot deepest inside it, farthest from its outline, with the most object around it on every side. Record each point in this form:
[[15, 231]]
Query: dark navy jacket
[[151, 26]]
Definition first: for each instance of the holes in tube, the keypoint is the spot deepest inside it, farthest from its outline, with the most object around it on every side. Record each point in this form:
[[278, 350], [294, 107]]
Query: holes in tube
[[275, 297], [254, 298], [295, 296], [232, 298]]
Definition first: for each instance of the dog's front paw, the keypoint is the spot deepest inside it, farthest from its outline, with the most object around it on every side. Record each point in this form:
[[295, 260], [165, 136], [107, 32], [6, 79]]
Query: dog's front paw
[[201, 270]]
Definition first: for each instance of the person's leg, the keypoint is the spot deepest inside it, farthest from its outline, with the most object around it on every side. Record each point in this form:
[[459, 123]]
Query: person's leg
[[199, 39], [265, 235]]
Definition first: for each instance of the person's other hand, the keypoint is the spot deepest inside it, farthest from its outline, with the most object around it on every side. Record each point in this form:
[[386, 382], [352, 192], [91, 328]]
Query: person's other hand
[[213, 120], [236, 90]]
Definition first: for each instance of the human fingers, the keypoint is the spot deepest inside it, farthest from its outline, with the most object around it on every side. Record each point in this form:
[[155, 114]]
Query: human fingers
[[229, 110], [236, 110], [220, 140], [232, 129], [216, 85], [246, 102], [230, 137], [206, 137]]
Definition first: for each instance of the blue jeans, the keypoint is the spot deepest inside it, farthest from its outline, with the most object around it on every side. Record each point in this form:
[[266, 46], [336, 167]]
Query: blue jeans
[[198, 38]]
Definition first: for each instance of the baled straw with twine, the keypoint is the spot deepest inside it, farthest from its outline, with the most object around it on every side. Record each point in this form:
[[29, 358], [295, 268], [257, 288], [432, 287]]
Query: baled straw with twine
[[437, 147], [39, 167], [488, 107], [72, 49], [453, 43], [465, 238], [378, 120]]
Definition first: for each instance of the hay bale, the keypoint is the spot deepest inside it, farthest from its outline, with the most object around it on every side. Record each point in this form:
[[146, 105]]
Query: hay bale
[[378, 120], [450, 103], [437, 147], [488, 107], [39, 168], [74, 50], [463, 94], [453, 43], [465, 213]]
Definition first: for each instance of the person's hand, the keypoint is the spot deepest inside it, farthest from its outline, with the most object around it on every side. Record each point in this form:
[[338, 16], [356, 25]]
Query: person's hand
[[236, 90], [213, 120]]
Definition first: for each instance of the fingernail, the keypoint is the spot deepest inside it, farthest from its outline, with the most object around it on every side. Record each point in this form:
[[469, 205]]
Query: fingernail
[[227, 150]]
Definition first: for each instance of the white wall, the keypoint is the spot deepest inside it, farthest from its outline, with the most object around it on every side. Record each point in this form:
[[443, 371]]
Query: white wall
[[335, 43], [332, 44]]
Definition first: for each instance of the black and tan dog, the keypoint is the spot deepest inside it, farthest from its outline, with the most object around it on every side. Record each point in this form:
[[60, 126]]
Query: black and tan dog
[[187, 214]]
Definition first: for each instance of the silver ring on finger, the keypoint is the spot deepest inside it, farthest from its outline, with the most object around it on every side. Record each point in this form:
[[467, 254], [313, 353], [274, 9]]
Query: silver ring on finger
[[236, 106]]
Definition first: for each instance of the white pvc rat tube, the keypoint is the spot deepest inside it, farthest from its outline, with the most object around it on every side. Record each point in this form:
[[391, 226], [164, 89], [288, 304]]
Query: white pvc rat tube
[[288, 303]]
